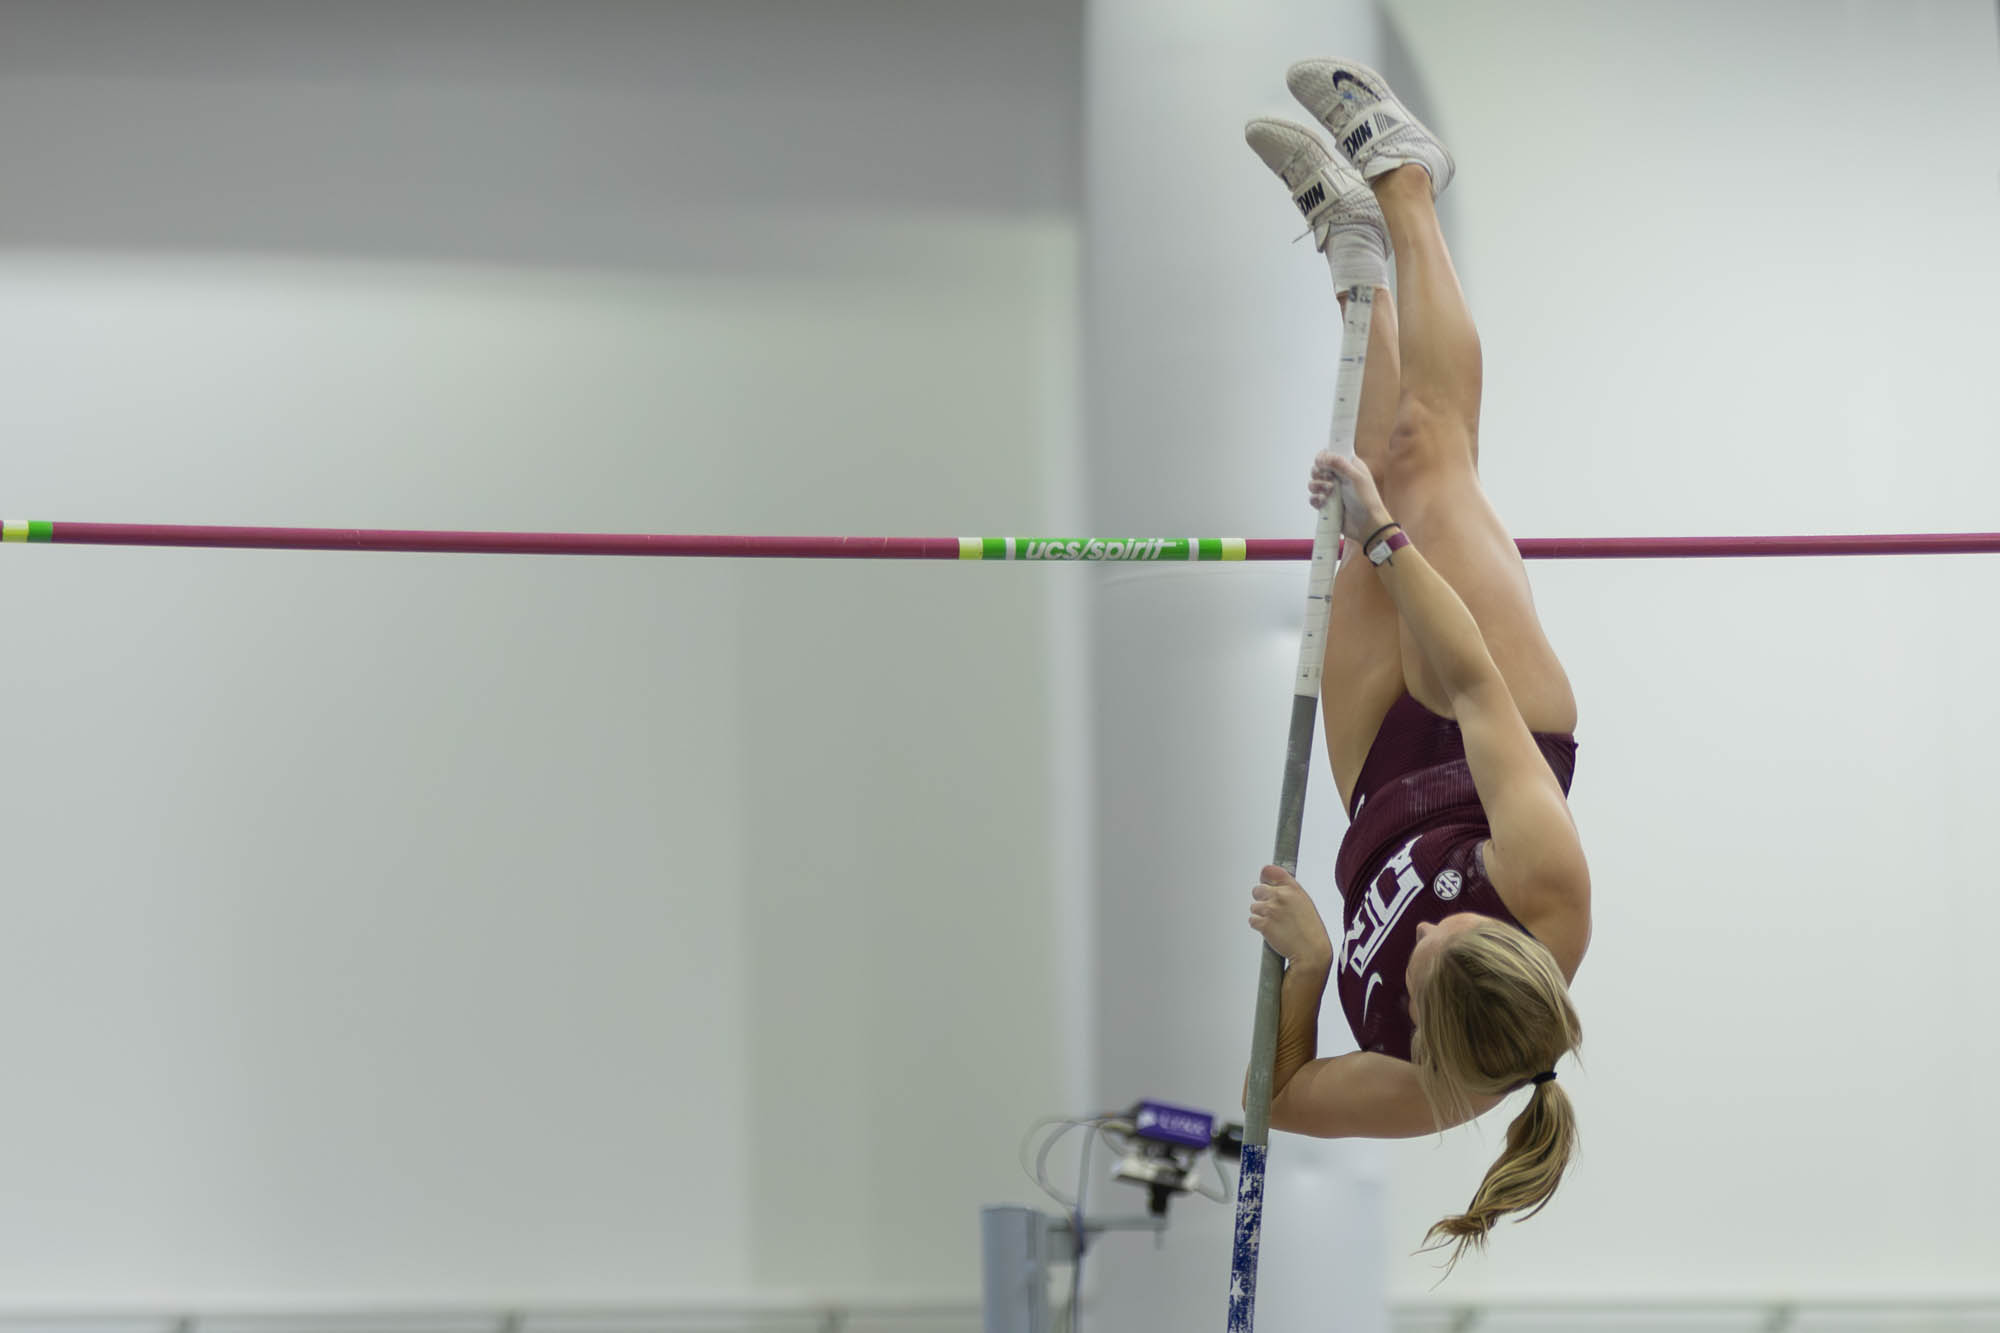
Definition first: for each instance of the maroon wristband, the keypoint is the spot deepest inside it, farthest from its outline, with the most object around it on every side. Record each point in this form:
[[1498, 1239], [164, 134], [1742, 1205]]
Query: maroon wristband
[[1379, 553]]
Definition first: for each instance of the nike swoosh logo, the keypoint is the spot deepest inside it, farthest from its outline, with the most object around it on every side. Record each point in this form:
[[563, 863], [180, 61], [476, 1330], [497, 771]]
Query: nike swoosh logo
[[1367, 992], [1341, 75]]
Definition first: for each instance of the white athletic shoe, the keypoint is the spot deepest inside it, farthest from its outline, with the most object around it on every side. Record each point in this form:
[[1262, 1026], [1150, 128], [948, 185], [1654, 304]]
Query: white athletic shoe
[[1347, 224], [1375, 130]]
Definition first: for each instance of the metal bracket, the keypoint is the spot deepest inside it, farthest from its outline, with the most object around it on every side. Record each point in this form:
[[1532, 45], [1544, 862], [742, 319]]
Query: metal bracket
[[1019, 1248]]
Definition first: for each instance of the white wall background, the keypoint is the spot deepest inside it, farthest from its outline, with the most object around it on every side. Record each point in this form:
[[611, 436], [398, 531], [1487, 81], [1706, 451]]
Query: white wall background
[[399, 930], [411, 930], [1725, 287]]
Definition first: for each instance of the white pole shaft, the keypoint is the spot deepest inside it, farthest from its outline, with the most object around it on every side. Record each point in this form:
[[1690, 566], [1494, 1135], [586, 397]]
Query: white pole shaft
[[1291, 818]]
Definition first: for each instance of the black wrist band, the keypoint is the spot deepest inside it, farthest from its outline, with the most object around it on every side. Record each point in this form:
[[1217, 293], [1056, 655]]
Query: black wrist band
[[1370, 539]]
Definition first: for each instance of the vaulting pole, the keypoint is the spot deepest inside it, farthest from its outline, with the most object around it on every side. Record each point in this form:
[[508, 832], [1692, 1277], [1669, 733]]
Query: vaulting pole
[[1359, 313]]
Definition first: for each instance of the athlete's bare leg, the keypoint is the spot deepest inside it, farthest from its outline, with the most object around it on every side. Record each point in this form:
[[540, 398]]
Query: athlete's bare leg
[[1429, 473], [1363, 671]]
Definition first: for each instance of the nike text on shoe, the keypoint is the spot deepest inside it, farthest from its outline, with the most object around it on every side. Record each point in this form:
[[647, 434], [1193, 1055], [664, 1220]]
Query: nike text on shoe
[[1346, 222]]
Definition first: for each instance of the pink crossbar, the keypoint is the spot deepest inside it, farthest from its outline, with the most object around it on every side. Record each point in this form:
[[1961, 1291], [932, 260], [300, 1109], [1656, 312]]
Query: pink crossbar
[[947, 548]]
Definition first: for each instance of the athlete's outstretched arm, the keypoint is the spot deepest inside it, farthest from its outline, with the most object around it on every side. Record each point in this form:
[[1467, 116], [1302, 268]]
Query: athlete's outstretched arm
[[1535, 844], [1360, 1095]]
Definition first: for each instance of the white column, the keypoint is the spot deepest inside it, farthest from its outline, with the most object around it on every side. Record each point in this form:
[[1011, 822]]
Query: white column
[[1210, 352]]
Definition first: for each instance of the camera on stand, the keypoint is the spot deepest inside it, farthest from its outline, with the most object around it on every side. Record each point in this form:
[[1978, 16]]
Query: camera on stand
[[1161, 1147]]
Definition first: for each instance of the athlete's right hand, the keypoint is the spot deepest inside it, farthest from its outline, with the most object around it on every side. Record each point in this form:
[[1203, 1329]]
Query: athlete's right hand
[[1283, 913], [1361, 507]]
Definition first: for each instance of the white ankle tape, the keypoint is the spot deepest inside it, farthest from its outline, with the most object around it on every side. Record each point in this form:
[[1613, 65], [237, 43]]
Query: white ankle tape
[[1356, 258]]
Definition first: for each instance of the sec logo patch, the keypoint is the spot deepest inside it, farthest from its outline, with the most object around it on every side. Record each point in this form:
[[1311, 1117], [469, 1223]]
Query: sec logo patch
[[1447, 884]]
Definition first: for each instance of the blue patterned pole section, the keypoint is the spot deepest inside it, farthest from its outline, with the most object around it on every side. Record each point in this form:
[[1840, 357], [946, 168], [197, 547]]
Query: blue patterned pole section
[[1360, 313], [1249, 1235]]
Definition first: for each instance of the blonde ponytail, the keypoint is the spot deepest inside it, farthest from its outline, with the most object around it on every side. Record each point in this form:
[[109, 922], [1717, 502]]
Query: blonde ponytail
[[1492, 1014], [1539, 1144]]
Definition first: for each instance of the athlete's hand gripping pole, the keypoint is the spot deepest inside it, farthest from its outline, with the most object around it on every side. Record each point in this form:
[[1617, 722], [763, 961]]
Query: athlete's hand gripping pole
[[1360, 311]]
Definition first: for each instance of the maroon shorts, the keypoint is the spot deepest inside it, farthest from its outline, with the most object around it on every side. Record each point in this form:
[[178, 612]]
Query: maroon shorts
[[1415, 777]]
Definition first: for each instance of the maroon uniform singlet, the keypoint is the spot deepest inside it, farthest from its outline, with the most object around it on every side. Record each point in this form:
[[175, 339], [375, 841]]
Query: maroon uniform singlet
[[1411, 855]]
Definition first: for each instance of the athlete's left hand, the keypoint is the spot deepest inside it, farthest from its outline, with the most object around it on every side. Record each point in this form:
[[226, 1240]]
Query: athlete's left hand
[[1361, 507], [1283, 913]]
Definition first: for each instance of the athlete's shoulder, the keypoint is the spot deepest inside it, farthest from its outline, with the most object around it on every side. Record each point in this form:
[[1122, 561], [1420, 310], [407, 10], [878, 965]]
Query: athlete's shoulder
[[1553, 906]]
